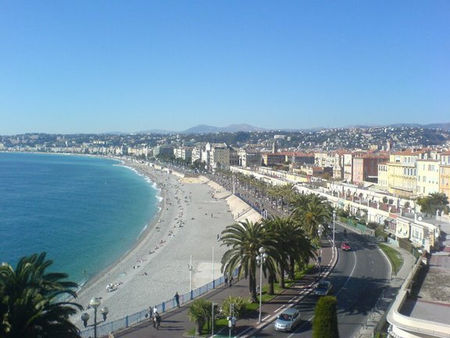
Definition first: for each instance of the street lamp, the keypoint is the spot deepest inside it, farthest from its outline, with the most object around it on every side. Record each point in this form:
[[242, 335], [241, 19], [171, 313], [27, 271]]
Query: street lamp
[[190, 268], [94, 303], [334, 226], [260, 260], [319, 258]]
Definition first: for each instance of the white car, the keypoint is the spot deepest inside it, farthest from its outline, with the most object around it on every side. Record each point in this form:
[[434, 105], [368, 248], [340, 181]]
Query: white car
[[323, 288], [287, 320]]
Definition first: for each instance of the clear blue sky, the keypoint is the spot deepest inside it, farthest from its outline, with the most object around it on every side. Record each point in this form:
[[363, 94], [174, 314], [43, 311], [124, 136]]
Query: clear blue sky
[[96, 66]]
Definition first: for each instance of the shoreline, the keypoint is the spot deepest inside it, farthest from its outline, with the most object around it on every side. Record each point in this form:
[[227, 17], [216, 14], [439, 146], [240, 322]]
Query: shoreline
[[160, 254], [142, 234]]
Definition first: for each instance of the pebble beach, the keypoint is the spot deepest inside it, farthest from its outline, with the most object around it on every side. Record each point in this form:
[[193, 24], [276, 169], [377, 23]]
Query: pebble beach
[[193, 211]]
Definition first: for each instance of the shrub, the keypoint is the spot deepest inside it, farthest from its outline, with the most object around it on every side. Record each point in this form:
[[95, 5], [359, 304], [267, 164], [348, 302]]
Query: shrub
[[325, 318], [239, 305]]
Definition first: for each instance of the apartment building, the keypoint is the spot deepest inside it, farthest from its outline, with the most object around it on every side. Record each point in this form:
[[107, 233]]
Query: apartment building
[[427, 177], [270, 159], [365, 168], [444, 180]]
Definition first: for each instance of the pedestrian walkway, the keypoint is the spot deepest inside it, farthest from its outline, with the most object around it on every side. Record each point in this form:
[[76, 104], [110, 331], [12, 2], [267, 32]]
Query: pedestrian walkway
[[176, 323], [388, 296]]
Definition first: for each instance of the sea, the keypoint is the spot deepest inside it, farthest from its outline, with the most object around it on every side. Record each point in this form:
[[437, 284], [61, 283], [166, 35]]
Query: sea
[[84, 212]]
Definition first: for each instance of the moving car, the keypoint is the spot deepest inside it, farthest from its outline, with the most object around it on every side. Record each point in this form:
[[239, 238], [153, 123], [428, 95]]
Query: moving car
[[345, 246], [323, 288], [287, 320]]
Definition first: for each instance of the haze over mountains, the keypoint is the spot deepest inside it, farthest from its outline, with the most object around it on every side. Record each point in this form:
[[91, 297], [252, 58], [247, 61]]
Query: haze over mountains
[[232, 128]]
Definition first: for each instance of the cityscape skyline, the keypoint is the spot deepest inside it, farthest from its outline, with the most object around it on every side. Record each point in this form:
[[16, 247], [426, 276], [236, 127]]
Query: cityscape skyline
[[101, 67]]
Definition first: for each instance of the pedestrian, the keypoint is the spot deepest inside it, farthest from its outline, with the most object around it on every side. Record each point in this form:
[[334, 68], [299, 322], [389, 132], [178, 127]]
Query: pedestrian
[[157, 321], [150, 312], [225, 277], [231, 281], [155, 310], [177, 299]]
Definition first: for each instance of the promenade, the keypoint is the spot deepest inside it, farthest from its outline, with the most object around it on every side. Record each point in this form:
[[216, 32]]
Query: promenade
[[176, 323]]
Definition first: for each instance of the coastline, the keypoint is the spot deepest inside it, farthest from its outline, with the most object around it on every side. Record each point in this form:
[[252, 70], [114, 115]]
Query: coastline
[[163, 246]]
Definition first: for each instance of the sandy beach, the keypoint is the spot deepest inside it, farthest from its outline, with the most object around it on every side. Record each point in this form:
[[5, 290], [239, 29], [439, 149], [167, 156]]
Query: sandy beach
[[193, 212]]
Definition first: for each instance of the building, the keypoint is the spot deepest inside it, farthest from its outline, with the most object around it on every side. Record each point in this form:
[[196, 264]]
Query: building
[[444, 180], [365, 168], [185, 153], [401, 172], [427, 177], [249, 158], [219, 156], [270, 159], [163, 150]]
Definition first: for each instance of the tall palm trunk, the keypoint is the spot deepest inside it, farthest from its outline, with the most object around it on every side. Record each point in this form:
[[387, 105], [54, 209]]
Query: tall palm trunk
[[252, 287], [291, 268], [282, 283], [271, 283]]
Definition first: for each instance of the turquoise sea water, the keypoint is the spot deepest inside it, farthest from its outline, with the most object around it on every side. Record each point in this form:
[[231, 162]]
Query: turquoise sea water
[[84, 212]]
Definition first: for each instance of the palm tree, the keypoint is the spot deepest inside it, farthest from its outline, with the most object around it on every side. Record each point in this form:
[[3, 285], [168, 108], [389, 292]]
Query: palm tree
[[290, 246], [199, 312], [311, 211], [31, 300], [243, 240]]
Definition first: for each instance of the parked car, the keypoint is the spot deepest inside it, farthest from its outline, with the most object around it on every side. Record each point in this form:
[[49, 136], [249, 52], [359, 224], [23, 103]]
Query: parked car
[[287, 320], [345, 246], [323, 288]]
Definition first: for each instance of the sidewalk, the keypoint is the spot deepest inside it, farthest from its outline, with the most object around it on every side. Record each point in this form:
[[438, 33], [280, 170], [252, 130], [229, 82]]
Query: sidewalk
[[176, 323]]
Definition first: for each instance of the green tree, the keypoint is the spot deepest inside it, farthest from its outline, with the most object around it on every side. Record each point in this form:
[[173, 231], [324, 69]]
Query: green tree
[[200, 313], [310, 211], [31, 302], [243, 241], [325, 318], [433, 202], [289, 245]]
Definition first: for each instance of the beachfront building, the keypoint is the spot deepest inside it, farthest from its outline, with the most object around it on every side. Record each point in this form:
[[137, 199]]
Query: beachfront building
[[444, 180], [219, 156], [401, 172], [365, 168], [249, 158], [163, 150], [271, 159], [427, 177], [184, 153], [348, 167], [196, 154]]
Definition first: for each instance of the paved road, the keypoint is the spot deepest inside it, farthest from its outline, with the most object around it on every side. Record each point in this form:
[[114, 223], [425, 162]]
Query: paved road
[[358, 280]]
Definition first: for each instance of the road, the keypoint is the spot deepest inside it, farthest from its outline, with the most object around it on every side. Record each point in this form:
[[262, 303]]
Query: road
[[358, 279]]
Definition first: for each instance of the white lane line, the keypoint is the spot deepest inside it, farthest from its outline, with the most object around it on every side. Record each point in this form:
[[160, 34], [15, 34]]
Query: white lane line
[[349, 276], [282, 306], [268, 316]]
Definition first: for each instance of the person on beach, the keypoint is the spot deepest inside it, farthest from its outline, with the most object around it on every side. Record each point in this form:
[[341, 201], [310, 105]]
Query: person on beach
[[177, 299]]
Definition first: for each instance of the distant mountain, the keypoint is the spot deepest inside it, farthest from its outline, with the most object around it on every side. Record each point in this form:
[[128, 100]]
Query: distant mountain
[[232, 128], [156, 131], [445, 126]]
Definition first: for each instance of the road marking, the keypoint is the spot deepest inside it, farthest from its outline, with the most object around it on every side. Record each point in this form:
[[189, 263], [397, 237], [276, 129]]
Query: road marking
[[282, 306], [351, 274], [265, 317]]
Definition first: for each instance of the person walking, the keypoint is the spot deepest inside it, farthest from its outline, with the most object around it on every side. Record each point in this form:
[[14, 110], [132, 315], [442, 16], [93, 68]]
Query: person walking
[[150, 312], [177, 298]]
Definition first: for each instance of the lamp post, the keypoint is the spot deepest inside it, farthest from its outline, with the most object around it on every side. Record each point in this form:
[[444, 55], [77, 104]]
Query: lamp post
[[319, 258], [334, 226], [190, 268], [94, 303], [260, 260]]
